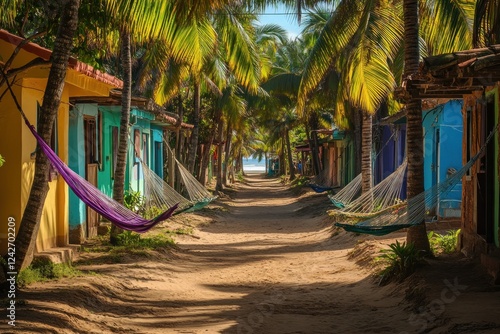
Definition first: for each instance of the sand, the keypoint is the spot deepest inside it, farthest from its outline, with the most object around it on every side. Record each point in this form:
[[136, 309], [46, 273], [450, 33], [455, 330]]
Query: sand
[[264, 259]]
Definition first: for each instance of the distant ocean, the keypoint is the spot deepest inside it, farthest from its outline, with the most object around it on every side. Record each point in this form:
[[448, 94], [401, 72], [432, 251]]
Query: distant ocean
[[251, 165]]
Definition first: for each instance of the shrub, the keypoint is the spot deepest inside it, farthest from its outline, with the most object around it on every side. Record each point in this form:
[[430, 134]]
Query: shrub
[[400, 261], [42, 270], [134, 201], [444, 243]]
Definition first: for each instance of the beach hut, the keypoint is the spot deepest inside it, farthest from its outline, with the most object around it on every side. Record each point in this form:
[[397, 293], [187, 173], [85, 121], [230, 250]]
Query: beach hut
[[474, 76], [93, 129], [18, 146]]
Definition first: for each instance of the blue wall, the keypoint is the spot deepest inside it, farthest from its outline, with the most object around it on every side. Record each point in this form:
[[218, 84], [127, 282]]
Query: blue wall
[[443, 128]]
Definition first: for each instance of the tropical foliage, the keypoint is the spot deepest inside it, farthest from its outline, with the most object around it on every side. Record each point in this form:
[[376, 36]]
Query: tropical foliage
[[248, 89]]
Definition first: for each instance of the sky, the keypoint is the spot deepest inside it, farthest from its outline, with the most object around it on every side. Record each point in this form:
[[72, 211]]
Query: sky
[[278, 15]]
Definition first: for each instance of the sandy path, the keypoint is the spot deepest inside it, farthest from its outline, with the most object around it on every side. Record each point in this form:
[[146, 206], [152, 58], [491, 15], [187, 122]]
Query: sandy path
[[267, 265]]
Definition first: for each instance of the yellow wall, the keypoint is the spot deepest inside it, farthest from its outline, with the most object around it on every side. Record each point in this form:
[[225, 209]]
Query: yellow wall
[[10, 172], [17, 144]]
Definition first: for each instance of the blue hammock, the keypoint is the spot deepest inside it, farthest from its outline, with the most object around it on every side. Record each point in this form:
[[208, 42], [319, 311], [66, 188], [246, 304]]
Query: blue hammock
[[319, 189]]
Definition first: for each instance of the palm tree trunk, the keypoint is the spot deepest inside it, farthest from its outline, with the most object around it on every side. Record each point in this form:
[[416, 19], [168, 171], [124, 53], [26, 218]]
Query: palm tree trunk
[[282, 157], [30, 223], [196, 124], [416, 235], [229, 135], [205, 161], [290, 158], [121, 157], [366, 153], [313, 143], [220, 151], [357, 140]]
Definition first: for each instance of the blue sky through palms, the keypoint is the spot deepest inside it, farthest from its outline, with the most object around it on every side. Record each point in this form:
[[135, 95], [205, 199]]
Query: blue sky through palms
[[282, 16]]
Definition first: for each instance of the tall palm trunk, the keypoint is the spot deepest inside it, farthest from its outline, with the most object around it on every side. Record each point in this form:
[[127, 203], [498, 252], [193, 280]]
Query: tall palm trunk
[[121, 157], [416, 235], [196, 124], [313, 142], [282, 168], [358, 139], [205, 161], [30, 223], [290, 158], [229, 135], [366, 154], [220, 151]]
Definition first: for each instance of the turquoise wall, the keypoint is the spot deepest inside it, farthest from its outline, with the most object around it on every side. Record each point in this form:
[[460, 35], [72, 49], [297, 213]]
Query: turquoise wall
[[110, 117], [76, 161]]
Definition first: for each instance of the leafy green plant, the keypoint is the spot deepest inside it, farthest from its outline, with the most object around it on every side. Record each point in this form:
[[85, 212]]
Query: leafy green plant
[[400, 261], [2, 160], [134, 201], [444, 243]]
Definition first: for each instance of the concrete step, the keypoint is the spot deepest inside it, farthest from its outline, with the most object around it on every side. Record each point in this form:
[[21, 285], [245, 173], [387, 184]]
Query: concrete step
[[66, 254]]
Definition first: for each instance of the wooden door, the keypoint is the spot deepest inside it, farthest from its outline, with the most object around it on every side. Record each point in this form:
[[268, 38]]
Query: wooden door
[[92, 216], [92, 167]]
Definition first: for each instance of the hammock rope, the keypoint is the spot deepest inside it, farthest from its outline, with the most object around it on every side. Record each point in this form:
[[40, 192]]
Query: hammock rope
[[112, 210], [385, 194], [344, 197], [413, 213], [159, 195], [197, 193]]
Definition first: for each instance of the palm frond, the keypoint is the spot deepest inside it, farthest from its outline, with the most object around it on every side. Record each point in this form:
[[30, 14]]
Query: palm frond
[[241, 53], [334, 38], [486, 29], [447, 25]]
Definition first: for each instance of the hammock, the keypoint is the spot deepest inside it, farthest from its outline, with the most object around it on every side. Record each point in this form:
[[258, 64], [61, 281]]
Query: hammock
[[384, 195], [95, 199], [343, 198], [319, 189], [159, 195], [346, 194], [413, 213], [197, 193]]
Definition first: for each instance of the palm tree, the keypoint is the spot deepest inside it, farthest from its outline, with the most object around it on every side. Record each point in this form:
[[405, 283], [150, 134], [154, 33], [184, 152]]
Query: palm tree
[[30, 223], [359, 48], [416, 235]]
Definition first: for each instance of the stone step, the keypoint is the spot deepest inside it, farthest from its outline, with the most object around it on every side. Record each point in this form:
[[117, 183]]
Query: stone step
[[66, 254]]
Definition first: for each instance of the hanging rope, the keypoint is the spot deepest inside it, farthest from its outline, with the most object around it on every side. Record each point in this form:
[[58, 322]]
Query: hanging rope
[[413, 212]]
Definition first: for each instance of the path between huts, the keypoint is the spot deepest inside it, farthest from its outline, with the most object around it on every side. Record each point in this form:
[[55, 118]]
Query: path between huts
[[263, 261]]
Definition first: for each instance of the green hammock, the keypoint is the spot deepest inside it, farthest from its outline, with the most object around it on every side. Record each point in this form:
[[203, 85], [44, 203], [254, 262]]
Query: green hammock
[[413, 212]]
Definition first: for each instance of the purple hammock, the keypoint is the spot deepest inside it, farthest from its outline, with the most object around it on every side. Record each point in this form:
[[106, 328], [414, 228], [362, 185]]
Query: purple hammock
[[95, 199]]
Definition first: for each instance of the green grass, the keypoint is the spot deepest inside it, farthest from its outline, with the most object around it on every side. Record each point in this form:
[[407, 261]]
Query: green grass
[[42, 270]]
